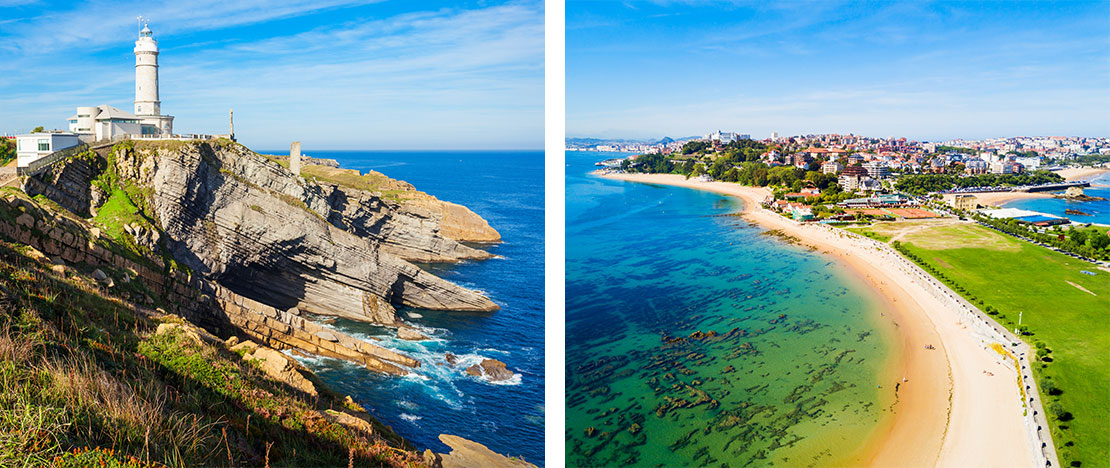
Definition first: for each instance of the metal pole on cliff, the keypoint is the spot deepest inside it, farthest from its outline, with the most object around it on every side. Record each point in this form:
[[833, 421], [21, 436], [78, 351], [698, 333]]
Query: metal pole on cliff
[[231, 124]]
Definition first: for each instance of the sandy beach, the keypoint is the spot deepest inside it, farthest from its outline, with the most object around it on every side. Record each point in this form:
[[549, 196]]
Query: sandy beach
[[1081, 173], [948, 412], [1000, 198]]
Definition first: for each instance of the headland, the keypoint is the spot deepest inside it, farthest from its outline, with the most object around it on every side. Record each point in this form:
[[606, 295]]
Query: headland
[[200, 269], [950, 411]]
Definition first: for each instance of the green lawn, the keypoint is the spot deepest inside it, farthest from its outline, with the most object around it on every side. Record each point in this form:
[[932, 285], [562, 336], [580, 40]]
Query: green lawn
[[1014, 276]]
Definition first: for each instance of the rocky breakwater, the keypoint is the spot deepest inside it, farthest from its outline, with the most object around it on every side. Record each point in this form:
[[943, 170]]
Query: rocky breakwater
[[244, 221]]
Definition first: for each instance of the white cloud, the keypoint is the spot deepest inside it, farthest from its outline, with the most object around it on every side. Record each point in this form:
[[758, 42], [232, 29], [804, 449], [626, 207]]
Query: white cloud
[[443, 78]]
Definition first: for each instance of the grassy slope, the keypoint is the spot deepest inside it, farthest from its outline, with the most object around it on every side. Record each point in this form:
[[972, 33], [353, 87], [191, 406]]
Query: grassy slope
[[370, 182], [79, 368], [1015, 276]]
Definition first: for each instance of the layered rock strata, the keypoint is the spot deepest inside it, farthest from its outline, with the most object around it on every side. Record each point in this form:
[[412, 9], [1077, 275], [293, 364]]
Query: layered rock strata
[[249, 224], [200, 301]]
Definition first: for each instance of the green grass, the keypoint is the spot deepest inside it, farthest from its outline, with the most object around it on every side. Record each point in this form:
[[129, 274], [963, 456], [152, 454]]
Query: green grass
[[865, 231], [118, 212], [84, 381], [1074, 326], [370, 182]]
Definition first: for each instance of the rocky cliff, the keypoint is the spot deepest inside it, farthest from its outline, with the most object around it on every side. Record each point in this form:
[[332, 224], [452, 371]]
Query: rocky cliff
[[245, 222], [400, 217]]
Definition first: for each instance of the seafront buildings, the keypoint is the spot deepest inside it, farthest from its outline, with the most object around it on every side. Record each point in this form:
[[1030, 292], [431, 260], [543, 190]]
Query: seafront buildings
[[978, 156]]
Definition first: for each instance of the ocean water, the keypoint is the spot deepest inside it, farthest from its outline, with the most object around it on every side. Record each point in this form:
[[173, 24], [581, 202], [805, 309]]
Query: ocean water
[[1099, 211], [507, 189], [695, 339]]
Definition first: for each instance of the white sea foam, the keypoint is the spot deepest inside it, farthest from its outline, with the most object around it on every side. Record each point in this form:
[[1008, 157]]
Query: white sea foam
[[412, 418]]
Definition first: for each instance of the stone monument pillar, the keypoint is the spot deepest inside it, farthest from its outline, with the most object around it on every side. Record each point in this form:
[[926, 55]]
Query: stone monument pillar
[[295, 158]]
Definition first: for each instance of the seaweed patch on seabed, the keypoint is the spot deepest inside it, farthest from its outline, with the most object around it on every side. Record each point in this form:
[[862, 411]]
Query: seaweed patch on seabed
[[711, 417]]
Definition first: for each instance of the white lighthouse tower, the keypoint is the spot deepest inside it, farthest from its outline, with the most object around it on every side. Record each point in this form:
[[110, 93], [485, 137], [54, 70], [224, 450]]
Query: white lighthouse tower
[[147, 106]]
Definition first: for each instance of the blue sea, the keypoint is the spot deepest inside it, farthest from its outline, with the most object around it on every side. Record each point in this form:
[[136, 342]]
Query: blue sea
[[507, 189], [693, 338], [1099, 210]]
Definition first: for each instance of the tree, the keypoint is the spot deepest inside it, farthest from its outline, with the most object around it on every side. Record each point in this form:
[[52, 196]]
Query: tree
[[1099, 240], [688, 167], [37, 129], [1078, 237], [694, 146]]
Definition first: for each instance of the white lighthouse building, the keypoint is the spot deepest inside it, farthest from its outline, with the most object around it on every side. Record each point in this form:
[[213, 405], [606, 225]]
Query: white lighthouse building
[[147, 106], [105, 122]]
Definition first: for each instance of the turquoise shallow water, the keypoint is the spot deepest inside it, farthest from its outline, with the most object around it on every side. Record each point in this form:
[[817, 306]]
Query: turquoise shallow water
[[1099, 211], [695, 339]]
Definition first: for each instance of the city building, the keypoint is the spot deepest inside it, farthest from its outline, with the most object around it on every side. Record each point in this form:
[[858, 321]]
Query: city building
[[831, 167], [877, 170], [868, 184], [976, 166], [801, 160], [723, 137], [850, 177], [1006, 167], [965, 202]]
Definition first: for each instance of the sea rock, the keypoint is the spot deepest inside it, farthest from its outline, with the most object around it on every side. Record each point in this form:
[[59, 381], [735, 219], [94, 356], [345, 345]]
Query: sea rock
[[469, 454], [451, 359], [474, 370], [406, 333], [495, 370]]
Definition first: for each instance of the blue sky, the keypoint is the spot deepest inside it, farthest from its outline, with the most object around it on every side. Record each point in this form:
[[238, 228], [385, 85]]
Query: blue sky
[[922, 70], [335, 74]]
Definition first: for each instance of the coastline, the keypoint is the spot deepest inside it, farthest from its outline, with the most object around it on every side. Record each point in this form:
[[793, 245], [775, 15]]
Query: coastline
[[947, 413], [998, 199], [1081, 173]]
